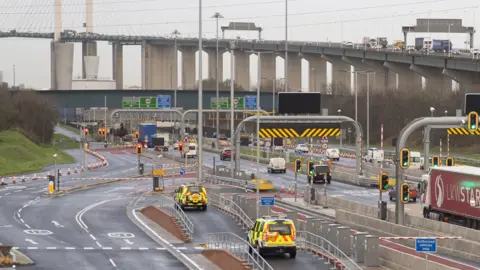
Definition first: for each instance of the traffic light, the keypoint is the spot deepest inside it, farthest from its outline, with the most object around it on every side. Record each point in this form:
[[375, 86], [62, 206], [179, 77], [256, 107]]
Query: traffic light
[[139, 148], [405, 193], [472, 121], [311, 169], [85, 132], [450, 162], [180, 147], [383, 181], [404, 158], [298, 166], [137, 135], [435, 161]]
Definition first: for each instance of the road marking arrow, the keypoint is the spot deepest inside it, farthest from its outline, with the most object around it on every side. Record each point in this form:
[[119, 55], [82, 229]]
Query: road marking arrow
[[31, 241], [58, 225], [128, 241]]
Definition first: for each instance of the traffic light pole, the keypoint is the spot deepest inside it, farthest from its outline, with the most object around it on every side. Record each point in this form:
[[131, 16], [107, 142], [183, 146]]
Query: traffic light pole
[[296, 186], [401, 143], [426, 142]]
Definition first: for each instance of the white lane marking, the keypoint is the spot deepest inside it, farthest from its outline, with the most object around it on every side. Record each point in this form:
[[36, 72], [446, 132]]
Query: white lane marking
[[31, 241], [88, 248], [56, 224], [111, 261], [32, 248], [28, 226], [18, 214], [163, 240], [107, 248], [98, 244], [21, 219], [69, 248], [19, 210], [79, 215], [6, 194], [51, 248], [181, 248], [128, 241], [17, 190], [93, 237], [125, 248], [143, 248]]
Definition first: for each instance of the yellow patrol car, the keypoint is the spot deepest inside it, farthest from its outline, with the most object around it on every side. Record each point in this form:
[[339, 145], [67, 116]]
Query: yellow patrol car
[[191, 195], [273, 234]]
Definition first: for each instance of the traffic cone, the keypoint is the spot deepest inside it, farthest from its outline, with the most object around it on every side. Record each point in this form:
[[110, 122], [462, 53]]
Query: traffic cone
[[34, 177], [81, 169], [68, 172], [75, 171], [3, 181], [14, 181]]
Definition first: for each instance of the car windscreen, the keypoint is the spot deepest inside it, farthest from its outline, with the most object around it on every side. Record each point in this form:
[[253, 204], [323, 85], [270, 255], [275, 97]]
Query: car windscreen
[[322, 169], [194, 189], [227, 150], [280, 228], [192, 148]]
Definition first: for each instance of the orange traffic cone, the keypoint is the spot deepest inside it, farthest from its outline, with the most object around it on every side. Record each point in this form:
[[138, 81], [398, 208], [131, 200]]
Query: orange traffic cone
[[75, 171], [14, 181], [3, 181], [68, 172]]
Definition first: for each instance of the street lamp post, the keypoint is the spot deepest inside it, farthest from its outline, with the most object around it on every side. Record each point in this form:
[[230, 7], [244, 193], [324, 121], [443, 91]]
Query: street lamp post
[[232, 89], [200, 94], [176, 34], [286, 46], [217, 16]]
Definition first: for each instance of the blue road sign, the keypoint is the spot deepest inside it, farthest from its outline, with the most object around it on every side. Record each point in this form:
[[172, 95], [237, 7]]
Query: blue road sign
[[426, 245], [164, 102], [267, 201], [299, 153], [182, 171], [250, 102]]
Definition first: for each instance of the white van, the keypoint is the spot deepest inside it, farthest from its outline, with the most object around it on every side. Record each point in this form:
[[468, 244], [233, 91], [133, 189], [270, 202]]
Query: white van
[[416, 160], [191, 151], [277, 165], [333, 154], [374, 154]]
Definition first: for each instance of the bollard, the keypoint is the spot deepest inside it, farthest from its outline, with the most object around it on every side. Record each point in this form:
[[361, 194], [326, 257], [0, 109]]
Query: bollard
[[50, 187]]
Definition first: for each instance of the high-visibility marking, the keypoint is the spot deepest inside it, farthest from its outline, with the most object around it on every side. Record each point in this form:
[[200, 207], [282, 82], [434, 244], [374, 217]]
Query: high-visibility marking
[[288, 133], [282, 133], [305, 132], [261, 134], [276, 132], [294, 132], [271, 133], [462, 131], [311, 132]]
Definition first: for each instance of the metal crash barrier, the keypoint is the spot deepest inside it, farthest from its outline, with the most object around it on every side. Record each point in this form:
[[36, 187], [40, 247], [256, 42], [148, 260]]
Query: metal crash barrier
[[238, 247], [170, 207]]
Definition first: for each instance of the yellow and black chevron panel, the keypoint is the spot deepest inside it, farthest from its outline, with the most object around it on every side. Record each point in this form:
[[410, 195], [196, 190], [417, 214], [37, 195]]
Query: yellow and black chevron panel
[[462, 131], [284, 130]]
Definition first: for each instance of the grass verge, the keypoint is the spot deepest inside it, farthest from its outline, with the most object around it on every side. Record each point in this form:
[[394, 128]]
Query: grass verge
[[19, 155], [70, 128]]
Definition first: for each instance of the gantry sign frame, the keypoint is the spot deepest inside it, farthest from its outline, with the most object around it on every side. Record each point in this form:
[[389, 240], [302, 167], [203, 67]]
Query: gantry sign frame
[[426, 142], [318, 120], [402, 141], [182, 122], [298, 130]]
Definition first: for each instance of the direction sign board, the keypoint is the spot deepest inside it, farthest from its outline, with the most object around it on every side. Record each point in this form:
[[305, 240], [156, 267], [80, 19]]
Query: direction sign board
[[164, 102], [148, 102], [267, 201], [130, 102], [426, 245], [250, 102], [222, 103], [238, 102]]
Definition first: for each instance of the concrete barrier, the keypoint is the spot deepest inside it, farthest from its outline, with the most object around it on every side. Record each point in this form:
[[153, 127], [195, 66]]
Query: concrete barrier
[[392, 259], [166, 221], [225, 260], [458, 248]]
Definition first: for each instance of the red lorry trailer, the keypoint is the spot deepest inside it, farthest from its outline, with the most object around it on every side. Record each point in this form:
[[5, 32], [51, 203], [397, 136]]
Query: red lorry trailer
[[452, 194]]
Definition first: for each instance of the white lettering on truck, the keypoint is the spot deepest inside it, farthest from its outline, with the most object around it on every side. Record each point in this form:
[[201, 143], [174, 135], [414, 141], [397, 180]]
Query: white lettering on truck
[[453, 192]]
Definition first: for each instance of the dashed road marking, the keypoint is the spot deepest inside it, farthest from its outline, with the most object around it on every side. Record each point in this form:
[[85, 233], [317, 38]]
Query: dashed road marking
[[109, 248]]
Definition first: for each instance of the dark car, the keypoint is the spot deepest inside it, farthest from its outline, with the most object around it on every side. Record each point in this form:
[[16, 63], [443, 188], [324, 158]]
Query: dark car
[[322, 173], [226, 154], [392, 194]]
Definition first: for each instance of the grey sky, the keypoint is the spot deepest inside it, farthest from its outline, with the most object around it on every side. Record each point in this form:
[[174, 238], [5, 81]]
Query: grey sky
[[309, 20]]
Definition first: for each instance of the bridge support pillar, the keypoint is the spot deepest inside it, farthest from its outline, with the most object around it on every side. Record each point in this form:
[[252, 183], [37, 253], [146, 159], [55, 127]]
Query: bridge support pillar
[[242, 69], [341, 74], [189, 68], [89, 48], [317, 74], [381, 76], [117, 64], [294, 71], [435, 80], [158, 67], [61, 66], [407, 80], [212, 64], [268, 71], [362, 68], [469, 81]]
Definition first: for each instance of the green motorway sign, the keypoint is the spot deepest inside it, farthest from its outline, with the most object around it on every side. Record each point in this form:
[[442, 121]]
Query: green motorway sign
[[131, 103], [148, 102], [225, 103]]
